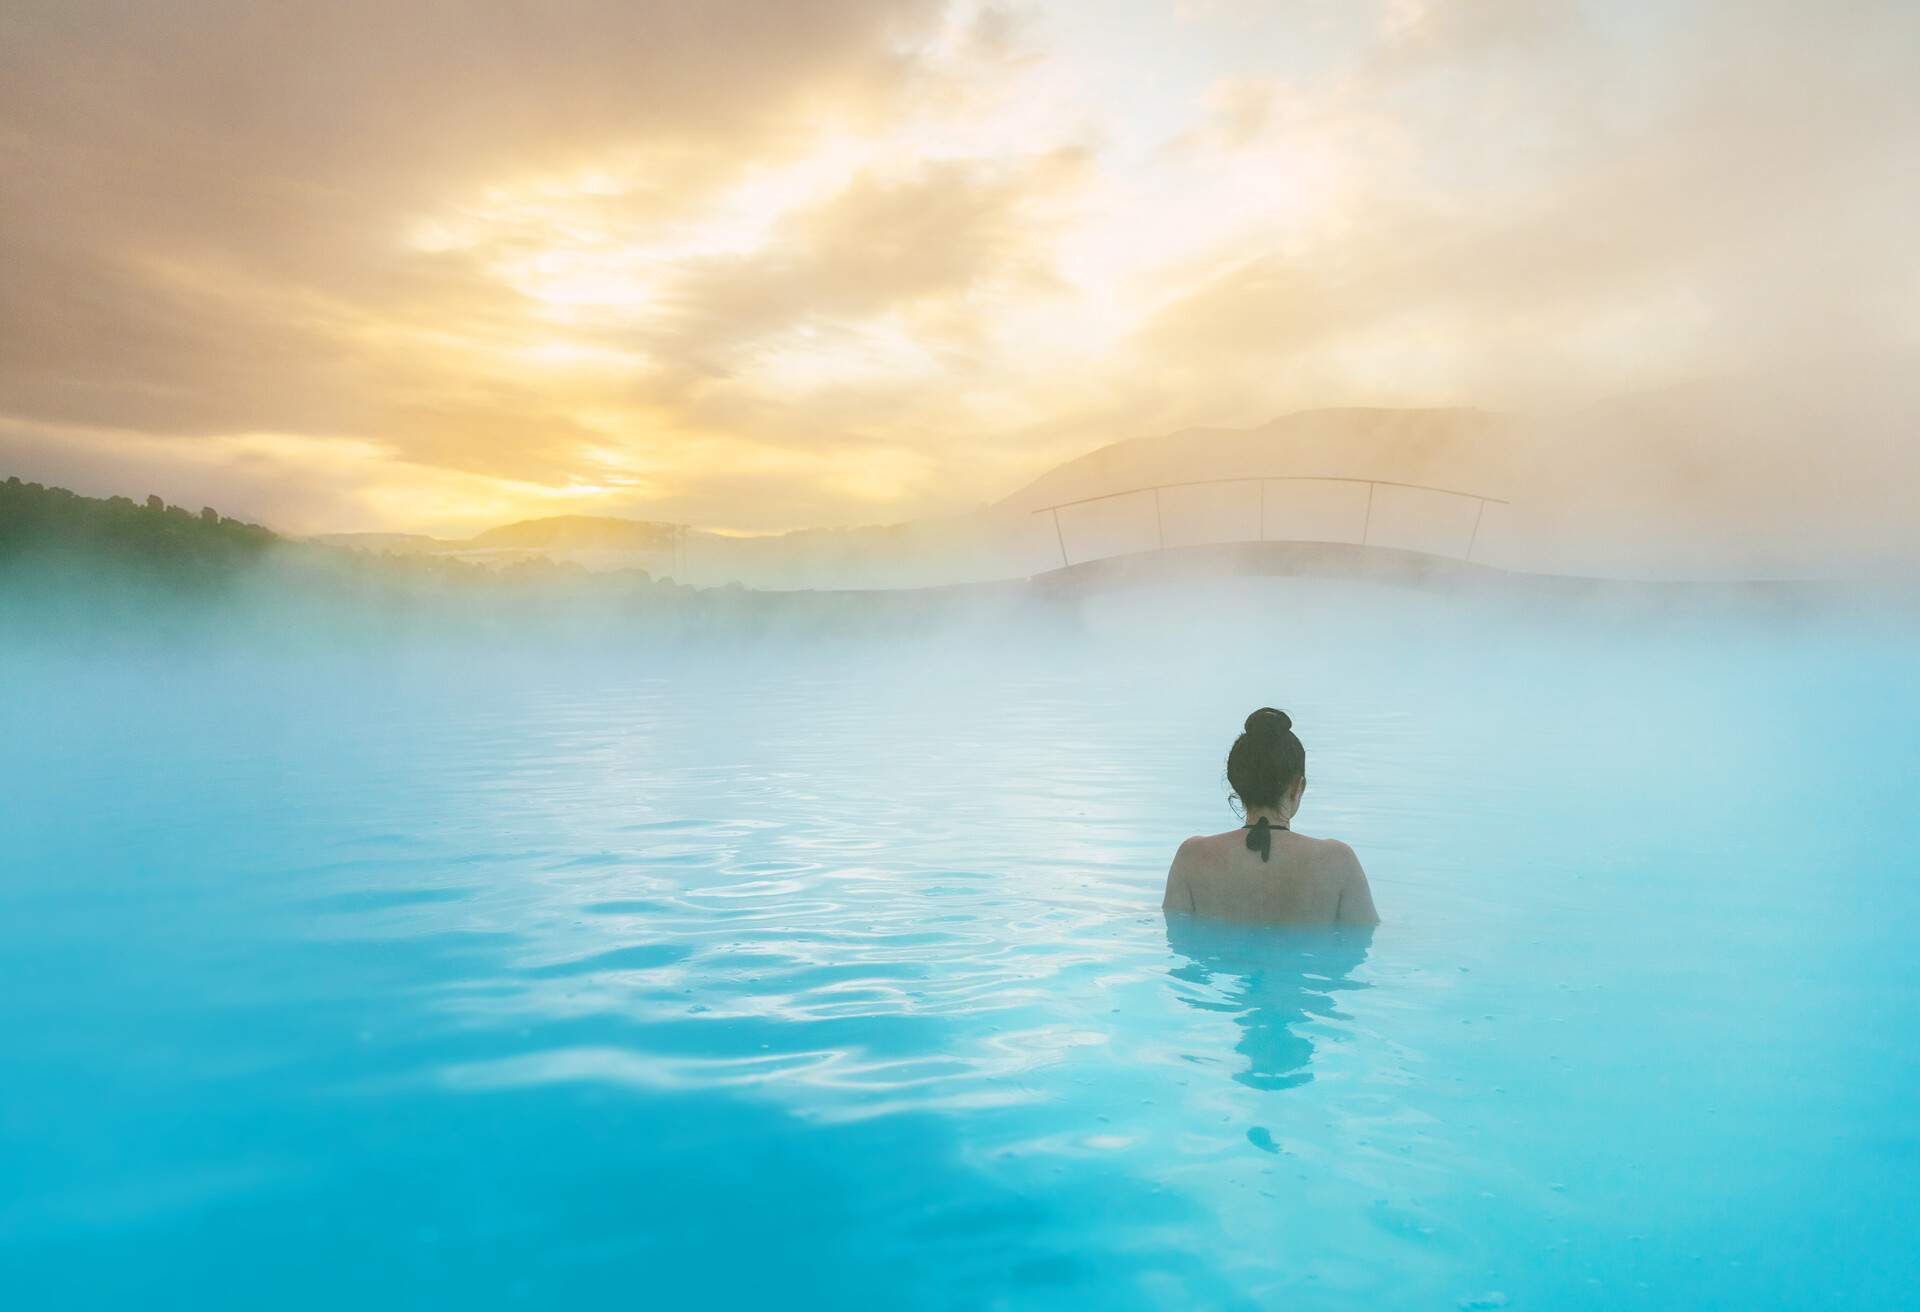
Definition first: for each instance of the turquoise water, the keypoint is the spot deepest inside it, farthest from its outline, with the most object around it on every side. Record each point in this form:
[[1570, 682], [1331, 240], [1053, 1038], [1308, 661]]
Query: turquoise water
[[833, 975]]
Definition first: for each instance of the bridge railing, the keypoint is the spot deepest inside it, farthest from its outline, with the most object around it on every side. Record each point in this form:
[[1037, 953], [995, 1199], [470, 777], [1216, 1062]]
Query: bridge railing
[[1366, 529]]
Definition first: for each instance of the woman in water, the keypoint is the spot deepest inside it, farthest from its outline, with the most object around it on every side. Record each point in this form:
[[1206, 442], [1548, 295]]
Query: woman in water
[[1263, 871]]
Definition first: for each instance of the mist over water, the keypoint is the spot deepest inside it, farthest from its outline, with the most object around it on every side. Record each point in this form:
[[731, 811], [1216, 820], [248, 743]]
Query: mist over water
[[769, 518], [438, 969]]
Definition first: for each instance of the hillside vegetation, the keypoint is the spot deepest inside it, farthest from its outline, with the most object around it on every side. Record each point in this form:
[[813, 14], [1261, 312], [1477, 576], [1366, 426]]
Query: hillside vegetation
[[52, 523]]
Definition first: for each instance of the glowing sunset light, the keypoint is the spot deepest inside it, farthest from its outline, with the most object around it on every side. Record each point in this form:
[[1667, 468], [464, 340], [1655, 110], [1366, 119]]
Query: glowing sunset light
[[964, 241]]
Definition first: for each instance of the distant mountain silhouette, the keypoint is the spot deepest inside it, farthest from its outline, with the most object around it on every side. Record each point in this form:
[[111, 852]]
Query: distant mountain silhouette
[[1473, 450], [578, 532], [394, 542], [1466, 449], [553, 533]]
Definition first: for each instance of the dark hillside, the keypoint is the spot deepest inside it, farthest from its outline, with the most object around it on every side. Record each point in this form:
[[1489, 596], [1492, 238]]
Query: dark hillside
[[50, 525]]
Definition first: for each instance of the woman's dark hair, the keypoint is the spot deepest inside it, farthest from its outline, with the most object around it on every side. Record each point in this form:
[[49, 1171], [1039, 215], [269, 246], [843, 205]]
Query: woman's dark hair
[[1266, 759]]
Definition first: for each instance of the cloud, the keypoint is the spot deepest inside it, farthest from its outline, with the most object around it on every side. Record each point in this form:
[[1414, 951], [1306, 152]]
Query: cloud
[[206, 205], [182, 170], [763, 265], [1741, 214], [913, 244]]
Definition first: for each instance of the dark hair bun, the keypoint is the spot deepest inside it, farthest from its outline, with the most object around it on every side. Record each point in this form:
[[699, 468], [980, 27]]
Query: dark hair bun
[[1268, 722], [1266, 759]]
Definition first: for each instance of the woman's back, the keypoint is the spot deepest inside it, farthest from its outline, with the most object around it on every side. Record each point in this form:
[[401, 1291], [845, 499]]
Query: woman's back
[[1303, 881]]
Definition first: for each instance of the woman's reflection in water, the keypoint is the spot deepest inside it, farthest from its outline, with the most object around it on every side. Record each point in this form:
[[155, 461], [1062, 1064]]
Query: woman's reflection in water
[[1273, 982]]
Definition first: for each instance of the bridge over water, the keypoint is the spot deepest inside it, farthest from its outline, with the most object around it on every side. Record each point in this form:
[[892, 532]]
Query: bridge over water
[[1300, 508]]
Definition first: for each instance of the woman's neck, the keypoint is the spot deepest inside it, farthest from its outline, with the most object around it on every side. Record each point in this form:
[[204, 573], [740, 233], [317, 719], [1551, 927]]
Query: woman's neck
[[1278, 819]]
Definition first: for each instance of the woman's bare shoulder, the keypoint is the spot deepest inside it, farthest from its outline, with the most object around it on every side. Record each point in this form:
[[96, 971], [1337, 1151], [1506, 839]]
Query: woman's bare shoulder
[[1191, 853], [1332, 855], [1207, 849], [1194, 859], [1337, 862]]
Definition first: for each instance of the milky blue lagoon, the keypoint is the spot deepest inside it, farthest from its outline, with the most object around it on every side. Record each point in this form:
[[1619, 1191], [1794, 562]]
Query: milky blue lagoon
[[792, 974]]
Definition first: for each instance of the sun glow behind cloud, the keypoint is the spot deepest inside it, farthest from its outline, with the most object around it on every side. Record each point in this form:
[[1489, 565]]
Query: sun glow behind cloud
[[854, 260]]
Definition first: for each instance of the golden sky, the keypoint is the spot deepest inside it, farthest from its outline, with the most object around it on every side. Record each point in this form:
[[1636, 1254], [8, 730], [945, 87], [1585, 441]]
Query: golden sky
[[762, 264]]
